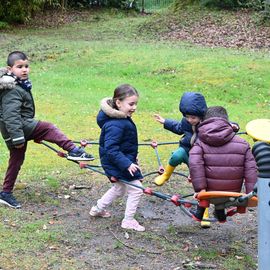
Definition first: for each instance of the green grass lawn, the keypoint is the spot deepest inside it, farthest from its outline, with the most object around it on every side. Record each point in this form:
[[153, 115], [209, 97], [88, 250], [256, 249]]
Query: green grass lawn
[[75, 66]]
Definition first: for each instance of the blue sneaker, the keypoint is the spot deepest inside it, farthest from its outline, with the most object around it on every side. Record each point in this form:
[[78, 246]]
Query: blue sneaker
[[8, 199], [78, 154]]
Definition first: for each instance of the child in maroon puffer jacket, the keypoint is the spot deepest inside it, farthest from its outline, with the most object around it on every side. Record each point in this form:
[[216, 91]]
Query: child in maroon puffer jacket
[[220, 160]]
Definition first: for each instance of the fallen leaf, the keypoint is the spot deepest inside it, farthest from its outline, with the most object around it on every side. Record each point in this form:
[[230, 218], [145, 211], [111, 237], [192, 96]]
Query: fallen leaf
[[239, 257], [126, 235]]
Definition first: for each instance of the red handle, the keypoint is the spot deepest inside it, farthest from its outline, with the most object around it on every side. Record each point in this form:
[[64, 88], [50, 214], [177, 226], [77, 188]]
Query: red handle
[[175, 199], [148, 191], [161, 170], [83, 143], [154, 144]]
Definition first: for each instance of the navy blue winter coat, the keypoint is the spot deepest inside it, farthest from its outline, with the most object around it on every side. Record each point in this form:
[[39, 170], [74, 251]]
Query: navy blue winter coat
[[191, 103], [118, 142]]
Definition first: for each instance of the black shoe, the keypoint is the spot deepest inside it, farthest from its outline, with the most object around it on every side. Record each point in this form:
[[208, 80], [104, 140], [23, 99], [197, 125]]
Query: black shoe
[[198, 215], [8, 199], [78, 154], [220, 215]]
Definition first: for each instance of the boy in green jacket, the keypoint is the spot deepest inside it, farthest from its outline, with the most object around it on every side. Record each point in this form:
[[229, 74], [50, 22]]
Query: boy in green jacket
[[18, 125]]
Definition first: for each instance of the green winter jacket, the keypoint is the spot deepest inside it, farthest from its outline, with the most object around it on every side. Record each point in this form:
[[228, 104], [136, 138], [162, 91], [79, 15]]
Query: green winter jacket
[[17, 111]]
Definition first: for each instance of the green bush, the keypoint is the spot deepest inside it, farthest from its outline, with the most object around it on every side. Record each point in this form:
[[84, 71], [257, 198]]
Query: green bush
[[230, 4], [3, 25], [254, 4], [105, 3], [223, 4], [178, 4], [18, 11]]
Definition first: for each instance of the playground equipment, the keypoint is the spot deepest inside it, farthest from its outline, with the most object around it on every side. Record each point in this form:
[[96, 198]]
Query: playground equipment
[[260, 130], [238, 201]]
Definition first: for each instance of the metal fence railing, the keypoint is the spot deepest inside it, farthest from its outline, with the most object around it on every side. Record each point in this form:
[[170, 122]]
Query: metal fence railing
[[153, 5]]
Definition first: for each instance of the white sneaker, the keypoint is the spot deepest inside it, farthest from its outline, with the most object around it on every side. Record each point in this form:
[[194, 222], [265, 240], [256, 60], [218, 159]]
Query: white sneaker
[[96, 212], [132, 224]]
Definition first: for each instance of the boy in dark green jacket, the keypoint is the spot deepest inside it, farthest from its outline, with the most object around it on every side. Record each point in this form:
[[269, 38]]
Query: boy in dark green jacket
[[18, 125]]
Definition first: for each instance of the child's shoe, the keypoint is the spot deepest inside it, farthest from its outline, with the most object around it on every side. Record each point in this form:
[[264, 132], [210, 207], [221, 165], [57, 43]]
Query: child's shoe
[[161, 179], [8, 199], [205, 223], [132, 224], [198, 215], [220, 215], [96, 212], [78, 154]]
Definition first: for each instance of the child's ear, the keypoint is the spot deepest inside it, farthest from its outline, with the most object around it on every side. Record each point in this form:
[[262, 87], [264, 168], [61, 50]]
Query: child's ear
[[118, 103], [8, 68]]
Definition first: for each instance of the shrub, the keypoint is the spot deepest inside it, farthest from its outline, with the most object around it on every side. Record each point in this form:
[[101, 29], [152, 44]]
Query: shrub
[[223, 4], [3, 25], [18, 11], [105, 3]]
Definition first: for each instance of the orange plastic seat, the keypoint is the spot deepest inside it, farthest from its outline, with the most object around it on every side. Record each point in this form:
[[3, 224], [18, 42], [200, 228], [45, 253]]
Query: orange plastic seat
[[223, 197]]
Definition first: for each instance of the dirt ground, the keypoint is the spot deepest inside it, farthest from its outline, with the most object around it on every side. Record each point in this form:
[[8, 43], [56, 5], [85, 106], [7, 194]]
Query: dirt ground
[[172, 240]]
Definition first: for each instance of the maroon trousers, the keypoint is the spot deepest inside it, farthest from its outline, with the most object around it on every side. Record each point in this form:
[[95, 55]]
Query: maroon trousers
[[43, 131]]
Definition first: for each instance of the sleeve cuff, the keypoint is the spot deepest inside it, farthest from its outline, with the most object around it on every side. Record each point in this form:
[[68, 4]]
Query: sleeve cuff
[[18, 140]]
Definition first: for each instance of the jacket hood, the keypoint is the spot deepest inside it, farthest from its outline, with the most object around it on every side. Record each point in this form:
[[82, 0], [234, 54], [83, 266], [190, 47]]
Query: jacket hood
[[107, 112], [193, 104], [215, 131], [6, 81]]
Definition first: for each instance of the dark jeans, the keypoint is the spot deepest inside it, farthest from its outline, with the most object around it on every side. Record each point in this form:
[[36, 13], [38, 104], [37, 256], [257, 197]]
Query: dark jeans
[[43, 131]]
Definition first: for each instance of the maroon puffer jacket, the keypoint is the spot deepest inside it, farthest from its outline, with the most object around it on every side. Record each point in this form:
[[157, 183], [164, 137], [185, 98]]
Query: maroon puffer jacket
[[220, 160]]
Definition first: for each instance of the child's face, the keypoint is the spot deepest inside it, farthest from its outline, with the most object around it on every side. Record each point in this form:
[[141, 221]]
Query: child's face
[[193, 120], [127, 105], [20, 69]]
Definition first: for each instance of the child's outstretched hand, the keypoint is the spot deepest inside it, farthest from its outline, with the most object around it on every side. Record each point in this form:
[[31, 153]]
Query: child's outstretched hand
[[235, 127], [133, 168], [195, 195], [159, 118]]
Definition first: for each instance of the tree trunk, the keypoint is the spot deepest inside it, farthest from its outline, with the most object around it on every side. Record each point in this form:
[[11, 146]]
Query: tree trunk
[[142, 6]]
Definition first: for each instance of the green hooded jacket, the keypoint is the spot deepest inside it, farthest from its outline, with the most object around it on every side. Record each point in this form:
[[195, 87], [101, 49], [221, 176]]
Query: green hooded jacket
[[17, 111]]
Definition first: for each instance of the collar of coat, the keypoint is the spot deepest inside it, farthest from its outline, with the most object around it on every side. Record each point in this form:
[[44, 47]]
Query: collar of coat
[[6, 81], [106, 106]]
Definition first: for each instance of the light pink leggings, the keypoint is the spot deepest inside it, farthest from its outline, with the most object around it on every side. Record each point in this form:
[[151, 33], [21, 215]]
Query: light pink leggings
[[119, 190]]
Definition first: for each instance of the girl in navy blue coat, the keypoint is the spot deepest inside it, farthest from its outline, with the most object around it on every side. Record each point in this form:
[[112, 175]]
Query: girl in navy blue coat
[[118, 150], [193, 107]]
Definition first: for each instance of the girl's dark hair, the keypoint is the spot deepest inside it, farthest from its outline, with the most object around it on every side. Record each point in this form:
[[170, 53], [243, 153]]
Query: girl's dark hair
[[216, 111], [15, 56], [123, 91]]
